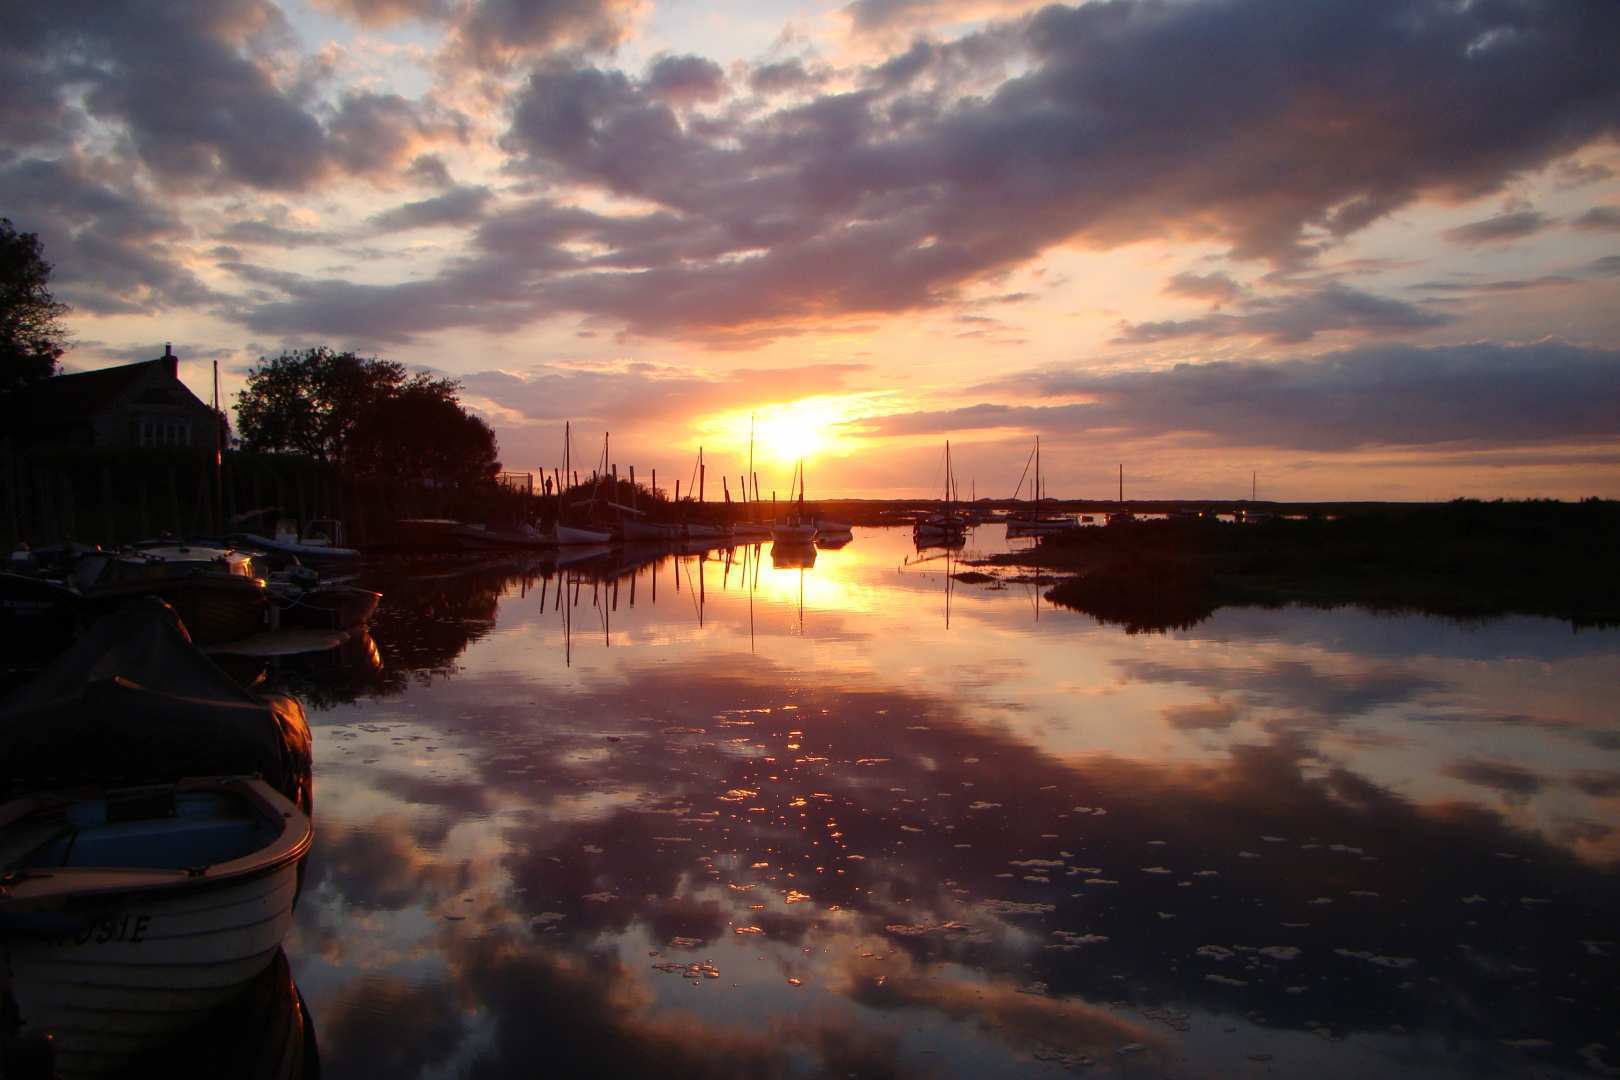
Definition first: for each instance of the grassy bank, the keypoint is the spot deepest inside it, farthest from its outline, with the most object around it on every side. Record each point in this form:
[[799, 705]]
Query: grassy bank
[[1465, 558]]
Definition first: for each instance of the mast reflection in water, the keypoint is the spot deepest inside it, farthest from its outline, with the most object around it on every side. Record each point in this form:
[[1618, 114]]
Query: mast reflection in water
[[772, 818]]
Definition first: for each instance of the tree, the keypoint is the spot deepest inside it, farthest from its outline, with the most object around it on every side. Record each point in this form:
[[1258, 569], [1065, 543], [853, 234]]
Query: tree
[[366, 415], [31, 337], [311, 402], [422, 432]]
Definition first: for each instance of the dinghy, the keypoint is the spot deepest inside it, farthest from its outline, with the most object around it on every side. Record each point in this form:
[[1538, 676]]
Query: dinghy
[[153, 815], [129, 914]]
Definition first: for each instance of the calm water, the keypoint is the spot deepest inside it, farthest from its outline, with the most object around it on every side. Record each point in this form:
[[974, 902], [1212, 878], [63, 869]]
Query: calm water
[[747, 819]]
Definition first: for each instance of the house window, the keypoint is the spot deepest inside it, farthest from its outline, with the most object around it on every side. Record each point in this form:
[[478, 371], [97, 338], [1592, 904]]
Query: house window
[[165, 431]]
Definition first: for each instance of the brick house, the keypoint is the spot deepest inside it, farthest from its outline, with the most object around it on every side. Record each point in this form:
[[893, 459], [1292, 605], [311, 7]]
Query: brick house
[[134, 406]]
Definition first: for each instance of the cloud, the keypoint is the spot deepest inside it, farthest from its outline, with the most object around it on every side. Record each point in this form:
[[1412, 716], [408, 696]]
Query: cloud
[[1604, 218], [905, 186], [1608, 264], [1483, 394], [685, 80], [496, 33], [380, 134], [1512, 781], [108, 246], [1294, 319], [273, 234], [783, 77], [1218, 288], [644, 392], [457, 206], [1545, 281], [877, 17], [1515, 225]]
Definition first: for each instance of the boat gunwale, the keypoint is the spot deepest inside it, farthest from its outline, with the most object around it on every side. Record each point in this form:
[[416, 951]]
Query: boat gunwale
[[58, 888]]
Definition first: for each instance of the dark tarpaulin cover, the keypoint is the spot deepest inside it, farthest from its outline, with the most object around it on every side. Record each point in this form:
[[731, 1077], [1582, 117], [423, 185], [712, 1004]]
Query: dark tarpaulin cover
[[133, 702]]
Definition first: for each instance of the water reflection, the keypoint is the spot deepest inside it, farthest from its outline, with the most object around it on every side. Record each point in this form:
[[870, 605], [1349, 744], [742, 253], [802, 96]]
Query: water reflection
[[730, 815]]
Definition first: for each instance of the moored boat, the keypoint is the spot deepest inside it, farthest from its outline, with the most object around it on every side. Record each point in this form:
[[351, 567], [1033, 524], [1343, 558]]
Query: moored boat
[[154, 817], [129, 914], [217, 592], [322, 606], [571, 534]]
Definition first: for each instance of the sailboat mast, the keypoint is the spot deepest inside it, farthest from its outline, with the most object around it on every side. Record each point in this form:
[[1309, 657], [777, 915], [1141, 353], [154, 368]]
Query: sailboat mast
[[1037, 472]]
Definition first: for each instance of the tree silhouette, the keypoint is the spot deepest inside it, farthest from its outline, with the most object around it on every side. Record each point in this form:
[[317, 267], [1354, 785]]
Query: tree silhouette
[[31, 338], [366, 415]]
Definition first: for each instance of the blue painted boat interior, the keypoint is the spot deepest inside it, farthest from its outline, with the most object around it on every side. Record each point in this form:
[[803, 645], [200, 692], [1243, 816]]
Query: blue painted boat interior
[[182, 830]]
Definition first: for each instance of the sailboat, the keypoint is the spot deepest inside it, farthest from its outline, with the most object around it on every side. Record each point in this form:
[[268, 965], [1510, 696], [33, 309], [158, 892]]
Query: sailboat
[[572, 534], [1036, 520], [750, 527], [795, 528], [1122, 516], [945, 527]]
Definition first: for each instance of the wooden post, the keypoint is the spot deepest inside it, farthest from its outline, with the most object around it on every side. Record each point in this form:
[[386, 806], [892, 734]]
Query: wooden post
[[109, 509], [69, 521], [174, 502]]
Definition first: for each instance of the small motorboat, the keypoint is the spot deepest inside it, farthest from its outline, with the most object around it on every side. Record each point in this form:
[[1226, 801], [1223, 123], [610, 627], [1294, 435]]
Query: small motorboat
[[300, 599], [320, 541], [217, 592]]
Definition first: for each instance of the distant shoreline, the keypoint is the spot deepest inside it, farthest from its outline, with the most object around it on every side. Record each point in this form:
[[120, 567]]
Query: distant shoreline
[[1464, 559]]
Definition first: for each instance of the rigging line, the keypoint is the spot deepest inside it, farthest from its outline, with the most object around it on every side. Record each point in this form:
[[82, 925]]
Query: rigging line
[[1023, 474]]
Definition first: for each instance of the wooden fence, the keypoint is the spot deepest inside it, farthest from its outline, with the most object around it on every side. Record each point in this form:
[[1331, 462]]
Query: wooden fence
[[112, 497]]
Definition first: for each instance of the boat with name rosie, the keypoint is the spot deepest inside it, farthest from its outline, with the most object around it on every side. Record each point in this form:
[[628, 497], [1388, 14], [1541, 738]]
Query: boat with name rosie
[[155, 816]]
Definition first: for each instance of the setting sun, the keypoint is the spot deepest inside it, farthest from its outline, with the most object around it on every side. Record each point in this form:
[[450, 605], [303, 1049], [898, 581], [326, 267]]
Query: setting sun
[[786, 432]]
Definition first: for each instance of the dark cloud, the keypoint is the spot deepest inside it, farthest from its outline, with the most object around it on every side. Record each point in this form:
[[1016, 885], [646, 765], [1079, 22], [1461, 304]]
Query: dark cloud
[[196, 95], [429, 170], [274, 234], [685, 80], [783, 77], [387, 12], [110, 247], [1490, 395], [494, 33], [380, 134], [1127, 124], [1293, 319], [1218, 288], [1605, 218], [1256, 125], [1515, 225], [1596, 783], [457, 206], [1513, 781], [1545, 281]]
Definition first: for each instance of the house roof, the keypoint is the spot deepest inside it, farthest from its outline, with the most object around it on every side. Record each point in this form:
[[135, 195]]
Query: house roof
[[67, 401]]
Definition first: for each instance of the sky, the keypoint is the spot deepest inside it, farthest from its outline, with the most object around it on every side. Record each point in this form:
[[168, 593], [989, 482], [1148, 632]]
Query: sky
[[1334, 250]]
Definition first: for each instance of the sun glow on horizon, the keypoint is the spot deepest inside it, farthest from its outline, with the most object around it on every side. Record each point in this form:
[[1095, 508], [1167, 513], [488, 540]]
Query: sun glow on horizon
[[787, 432]]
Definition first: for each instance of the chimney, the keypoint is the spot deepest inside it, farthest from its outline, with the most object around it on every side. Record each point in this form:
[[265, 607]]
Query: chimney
[[173, 361]]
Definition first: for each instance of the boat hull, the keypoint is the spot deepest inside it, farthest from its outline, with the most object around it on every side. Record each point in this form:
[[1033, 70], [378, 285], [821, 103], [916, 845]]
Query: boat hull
[[146, 968], [568, 534], [215, 608], [793, 534], [328, 607]]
